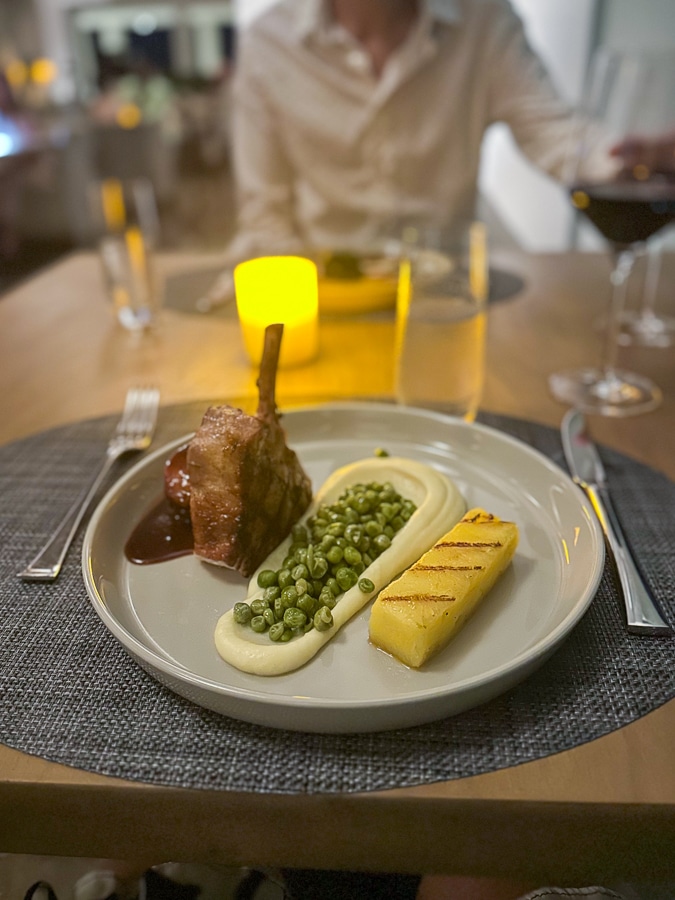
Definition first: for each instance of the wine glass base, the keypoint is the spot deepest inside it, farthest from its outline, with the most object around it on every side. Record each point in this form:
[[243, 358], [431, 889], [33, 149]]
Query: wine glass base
[[597, 392], [646, 330]]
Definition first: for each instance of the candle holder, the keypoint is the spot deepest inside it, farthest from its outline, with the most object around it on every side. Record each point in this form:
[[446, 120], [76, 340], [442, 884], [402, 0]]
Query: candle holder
[[280, 289]]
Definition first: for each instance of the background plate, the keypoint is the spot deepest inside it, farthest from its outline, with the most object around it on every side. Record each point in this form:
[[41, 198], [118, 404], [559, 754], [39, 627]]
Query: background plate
[[165, 614]]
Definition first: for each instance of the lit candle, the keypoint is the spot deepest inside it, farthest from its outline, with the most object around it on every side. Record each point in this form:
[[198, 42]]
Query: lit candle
[[279, 289]]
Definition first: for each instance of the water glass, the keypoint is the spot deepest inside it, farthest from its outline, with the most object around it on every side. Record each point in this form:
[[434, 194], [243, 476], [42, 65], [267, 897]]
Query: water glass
[[441, 319], [126, 220]]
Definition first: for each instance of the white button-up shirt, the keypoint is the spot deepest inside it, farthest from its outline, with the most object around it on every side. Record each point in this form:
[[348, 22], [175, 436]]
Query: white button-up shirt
[[328, 155]]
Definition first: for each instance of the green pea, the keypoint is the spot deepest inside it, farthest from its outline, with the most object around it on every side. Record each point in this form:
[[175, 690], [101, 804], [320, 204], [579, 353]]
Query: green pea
[[352, 556], [346, 578], [334, 586], [382, 542], [353, 533], [300, 571], [362, 504], [302, 586], [327, 598], [259, 605], [387, 510], [327, 541], [271, 593], [276, 631], [294, 618], [319, 567], [284, 578], [269, 617], [351, 516], [307, 604], [286, 636], [242, 613], [299, 533], [363, 544], [258, 624], [334, 555], [267, 578], [373, 528], [336, 528], [323, 619], [301, 555], [366, 585], [289, 595], [379, 451]]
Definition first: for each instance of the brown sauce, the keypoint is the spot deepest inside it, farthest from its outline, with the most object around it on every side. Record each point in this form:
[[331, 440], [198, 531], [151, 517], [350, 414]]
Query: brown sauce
[[164, 533]]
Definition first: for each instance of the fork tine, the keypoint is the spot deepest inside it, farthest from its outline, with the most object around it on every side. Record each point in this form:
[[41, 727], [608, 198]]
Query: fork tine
[[130, 405], [148, 412], [140, 412]]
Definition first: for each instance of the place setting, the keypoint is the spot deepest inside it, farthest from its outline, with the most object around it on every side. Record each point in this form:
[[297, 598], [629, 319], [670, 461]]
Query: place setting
[[551, 658]]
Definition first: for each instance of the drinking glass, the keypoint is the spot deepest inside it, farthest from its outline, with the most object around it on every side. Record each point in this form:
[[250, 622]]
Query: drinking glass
[[628, 197], [127, 225], [441, 318], [646, 326]]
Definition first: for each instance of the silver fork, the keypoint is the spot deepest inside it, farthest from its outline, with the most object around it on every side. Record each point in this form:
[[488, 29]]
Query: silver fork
[[134, 432]]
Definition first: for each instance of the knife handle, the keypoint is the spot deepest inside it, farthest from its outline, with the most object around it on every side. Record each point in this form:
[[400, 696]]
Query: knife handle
[[641, 613]]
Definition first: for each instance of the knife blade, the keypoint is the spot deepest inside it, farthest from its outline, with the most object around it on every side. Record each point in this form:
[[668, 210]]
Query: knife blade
[[588, 471]]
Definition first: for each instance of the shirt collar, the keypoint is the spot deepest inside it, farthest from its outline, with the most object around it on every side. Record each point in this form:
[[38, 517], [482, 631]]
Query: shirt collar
[[311, 15]]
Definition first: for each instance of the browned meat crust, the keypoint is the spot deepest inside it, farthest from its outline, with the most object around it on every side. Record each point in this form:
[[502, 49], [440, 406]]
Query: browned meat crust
[[247, 488]]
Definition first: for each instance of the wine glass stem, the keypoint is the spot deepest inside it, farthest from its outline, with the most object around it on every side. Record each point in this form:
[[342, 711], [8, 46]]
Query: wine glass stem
[[651, 284], [623, 261]]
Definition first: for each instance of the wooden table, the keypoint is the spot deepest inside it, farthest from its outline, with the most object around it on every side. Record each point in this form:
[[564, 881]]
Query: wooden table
[[605, 809]]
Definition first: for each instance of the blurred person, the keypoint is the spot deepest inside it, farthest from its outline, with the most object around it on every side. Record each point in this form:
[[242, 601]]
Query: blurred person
[[349, 117]]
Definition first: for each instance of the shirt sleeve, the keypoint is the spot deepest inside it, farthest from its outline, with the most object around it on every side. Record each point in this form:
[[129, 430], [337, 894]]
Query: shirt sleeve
[[522, 95]]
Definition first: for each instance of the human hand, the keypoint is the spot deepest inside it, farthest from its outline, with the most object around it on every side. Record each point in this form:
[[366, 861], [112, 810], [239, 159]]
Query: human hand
[[220, 292], [655, 154]]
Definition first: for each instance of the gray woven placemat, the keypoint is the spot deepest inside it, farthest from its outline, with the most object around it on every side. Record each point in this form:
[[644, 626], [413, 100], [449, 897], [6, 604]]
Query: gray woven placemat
[[70, 693]]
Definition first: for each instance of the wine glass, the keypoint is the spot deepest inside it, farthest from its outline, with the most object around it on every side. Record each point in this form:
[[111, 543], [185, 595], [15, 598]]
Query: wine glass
[[617, 181], [646, 326]]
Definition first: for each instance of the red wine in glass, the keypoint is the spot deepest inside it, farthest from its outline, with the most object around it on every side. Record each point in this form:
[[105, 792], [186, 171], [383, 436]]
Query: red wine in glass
[[627, 212]]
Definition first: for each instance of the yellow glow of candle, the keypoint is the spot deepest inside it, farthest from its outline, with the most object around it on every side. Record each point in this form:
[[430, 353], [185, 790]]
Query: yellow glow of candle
[[279, 289]]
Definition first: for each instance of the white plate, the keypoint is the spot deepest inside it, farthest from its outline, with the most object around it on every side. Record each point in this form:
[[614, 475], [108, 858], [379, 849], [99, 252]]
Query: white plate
[[165, 614]]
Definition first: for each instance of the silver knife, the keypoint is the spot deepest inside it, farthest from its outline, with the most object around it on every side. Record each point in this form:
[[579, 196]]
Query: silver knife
[[588, 472]]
